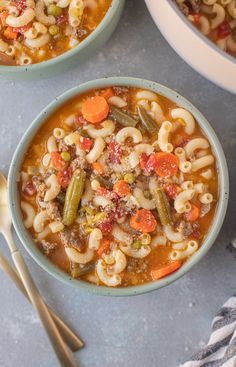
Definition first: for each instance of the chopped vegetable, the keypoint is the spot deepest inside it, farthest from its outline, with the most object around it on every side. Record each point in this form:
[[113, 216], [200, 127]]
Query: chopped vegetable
[[85, 144], [121, 188], [163, 207], [165, 270], [171, 190], [10, 34], [193, 214], [107, 93], [57, 160], [122, 117], [143, 221], [3, 16], [129, 178], [104, 246], [224, 30], [95, 109], [166, 164], [143, 159], [54, 10], [137, 244], [74, 193], [65, 156], [104, 182], [147, 122], [64, 176], [98, 168], [77, 271], [61, 197], [54, 29]]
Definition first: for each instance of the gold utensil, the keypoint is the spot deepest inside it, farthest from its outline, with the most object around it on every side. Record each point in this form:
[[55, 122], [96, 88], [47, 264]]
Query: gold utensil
[[63, 353], [71, 339]]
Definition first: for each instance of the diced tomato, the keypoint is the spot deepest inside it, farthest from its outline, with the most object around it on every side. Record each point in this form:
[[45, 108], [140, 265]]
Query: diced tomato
[[62, 19], [85, 144], [107, 193], [64, 176], [148, 164], [21, 29], [57, 160], [28, 189], [115, 152], [10, 34], [196, 18], [20, 5], [171, 190], [224, 29], [79, 120], [196, 234], [143, 159], [106, 227], [151, 163]]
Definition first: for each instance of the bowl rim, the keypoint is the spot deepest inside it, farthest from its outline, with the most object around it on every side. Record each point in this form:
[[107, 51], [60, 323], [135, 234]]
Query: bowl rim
[[67, 54], [13, 194], [198, 33]]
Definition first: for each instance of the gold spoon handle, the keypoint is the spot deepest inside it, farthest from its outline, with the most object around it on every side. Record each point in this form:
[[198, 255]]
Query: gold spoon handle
[[62, 352], [68, 335]]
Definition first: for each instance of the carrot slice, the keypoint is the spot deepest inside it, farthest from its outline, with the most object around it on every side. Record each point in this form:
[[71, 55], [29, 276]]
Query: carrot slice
[[166, 164], [10, 34], [98, 167], [193, 214], [3, 16], [143, 221], [104, 247], [165, 270], [95, 109], [121, 188], [107, 93]]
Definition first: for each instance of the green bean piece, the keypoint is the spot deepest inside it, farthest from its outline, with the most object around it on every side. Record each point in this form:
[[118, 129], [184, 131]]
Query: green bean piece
[[163, 206], [61, 197], [147, 122], [122, 117], [74, 193], [77, 271], [104, 182]]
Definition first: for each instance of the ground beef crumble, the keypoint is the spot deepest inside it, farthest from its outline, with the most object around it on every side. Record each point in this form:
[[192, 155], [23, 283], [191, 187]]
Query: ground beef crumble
[[47, 247], [53, 211]]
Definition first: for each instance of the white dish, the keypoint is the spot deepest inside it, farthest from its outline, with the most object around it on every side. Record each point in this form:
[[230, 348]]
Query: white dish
[[196, 49]]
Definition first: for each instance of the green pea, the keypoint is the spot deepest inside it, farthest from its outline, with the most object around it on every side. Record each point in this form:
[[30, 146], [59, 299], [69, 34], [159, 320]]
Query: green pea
[[137, 244], [54, 30], [129, 178], [65, 155], [54, 10]]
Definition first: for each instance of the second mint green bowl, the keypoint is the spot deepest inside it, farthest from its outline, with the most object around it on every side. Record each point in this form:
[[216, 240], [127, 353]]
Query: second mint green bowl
[[73, 57], [14, 200]]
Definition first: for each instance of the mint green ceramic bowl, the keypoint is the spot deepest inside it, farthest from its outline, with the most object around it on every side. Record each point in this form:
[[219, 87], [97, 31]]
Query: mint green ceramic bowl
[[13, 194], [71, 58]]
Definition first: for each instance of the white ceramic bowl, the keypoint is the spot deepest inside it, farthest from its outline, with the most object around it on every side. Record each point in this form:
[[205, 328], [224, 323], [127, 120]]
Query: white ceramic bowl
[[196, 49]]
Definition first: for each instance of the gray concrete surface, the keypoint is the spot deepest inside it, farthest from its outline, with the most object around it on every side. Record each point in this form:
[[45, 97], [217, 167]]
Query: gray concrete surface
[[159, 329]]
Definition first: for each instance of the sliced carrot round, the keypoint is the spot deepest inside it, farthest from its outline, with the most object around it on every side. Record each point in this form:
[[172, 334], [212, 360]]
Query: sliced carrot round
[[143, 221], [193, 214], [95, 109], [121, 188], [166, 164]]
